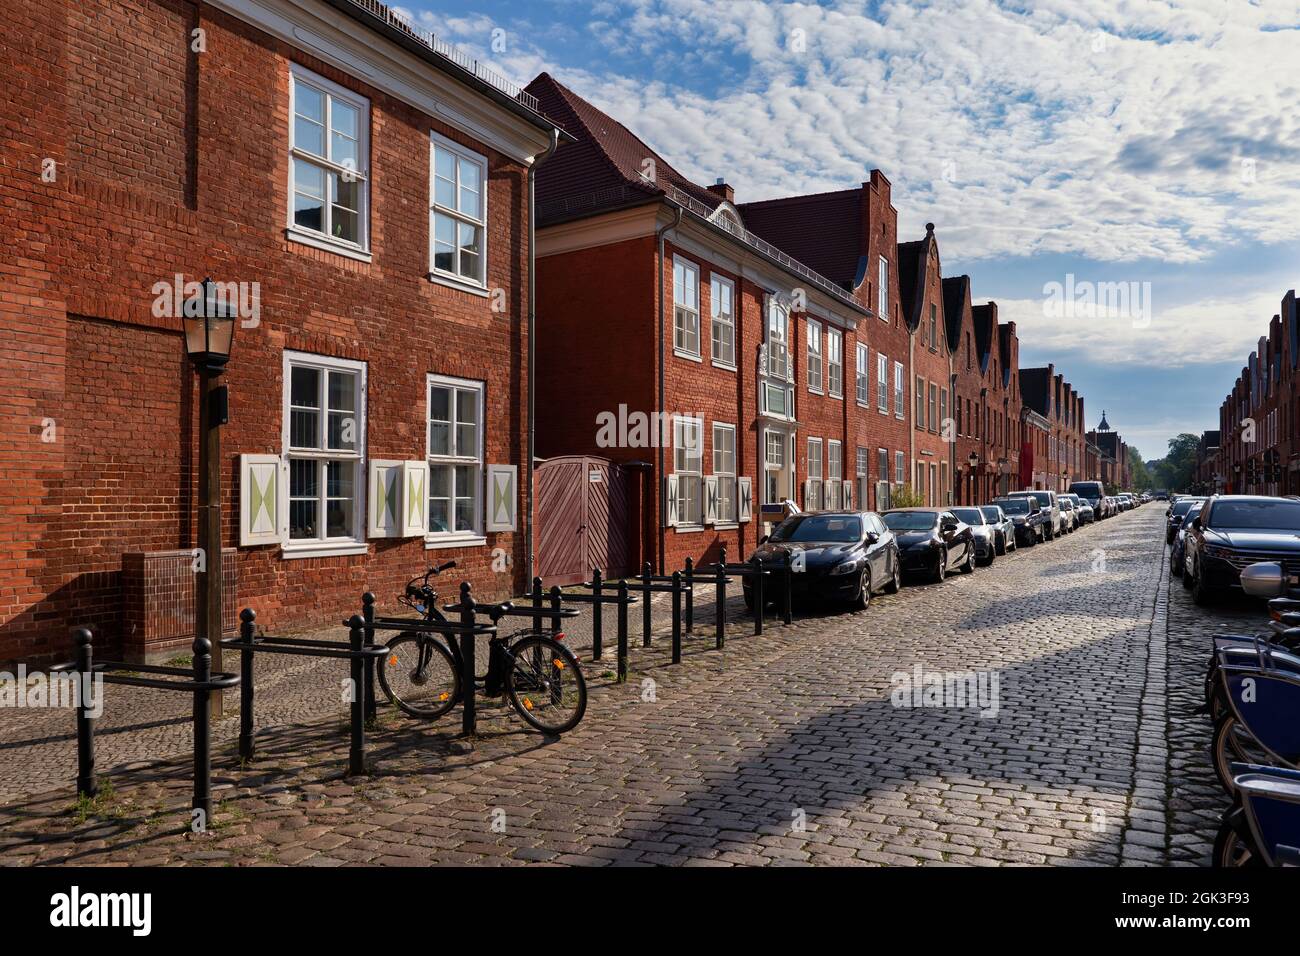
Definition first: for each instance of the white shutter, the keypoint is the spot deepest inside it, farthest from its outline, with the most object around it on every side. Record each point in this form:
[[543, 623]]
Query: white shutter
[[670, 501], [415, 498], [262, 511], [846, 489], [385, 500], [502, 497], [711, 499], [884, 496], [744, 496]]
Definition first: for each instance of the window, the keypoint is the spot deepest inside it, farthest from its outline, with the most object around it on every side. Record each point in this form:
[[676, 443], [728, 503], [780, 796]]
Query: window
[[882, 382], [814, 499], [919, 411], [724, 467], [458, 212], [898, 390], [835, 362], [863, 463], [882, 295], [934, 406], [722, 309], [688, 455], [328, 161], [776, 476], [934, 327], [900, 468], [324, 434], [863, 380], [814, 357], [778, 327], [882, 456], [920, 482], [686, 307], [455, 457], [943, 407]]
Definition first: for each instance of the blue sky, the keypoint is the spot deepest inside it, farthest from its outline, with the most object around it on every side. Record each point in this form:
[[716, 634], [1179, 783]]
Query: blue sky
[[1152, 143]]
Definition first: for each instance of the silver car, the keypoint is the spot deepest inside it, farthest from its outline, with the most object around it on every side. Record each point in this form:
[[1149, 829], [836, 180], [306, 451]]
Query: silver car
[[1082, 510], [984, 532], [1004, 528]]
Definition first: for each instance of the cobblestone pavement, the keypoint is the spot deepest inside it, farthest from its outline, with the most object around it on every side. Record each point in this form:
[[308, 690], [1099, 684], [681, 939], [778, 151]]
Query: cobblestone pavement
[[781, 749]]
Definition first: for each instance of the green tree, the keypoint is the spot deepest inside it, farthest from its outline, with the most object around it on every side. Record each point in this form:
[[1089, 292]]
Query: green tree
[[1141, 479]]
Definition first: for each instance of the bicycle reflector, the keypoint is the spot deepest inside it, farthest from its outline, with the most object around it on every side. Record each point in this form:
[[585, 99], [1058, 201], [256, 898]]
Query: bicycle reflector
[[392, 660], [559, 636]]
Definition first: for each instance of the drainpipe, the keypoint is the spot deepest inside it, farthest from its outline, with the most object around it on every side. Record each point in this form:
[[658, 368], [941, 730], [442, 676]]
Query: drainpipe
[[532, 346], [659, 471]]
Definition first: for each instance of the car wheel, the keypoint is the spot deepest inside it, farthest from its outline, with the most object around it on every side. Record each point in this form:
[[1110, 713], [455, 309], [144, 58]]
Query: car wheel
[[968, 565], [941, 566], [895, 582], [1202, 594], [1176, 566], [863, 599], [1000, 545]]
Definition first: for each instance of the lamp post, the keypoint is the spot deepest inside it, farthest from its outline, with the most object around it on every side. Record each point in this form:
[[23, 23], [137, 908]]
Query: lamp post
[[974, 463], [209, 331]]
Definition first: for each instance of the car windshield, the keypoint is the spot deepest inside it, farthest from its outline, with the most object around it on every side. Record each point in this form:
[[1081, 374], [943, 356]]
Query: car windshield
[[844, 528], [910, 520], [1262, 515], [990, 512], [1015, 506], [969, 515], [1182, 507]]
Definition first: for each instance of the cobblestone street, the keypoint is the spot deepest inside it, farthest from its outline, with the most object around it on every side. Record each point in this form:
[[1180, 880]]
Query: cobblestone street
[[781, 749]]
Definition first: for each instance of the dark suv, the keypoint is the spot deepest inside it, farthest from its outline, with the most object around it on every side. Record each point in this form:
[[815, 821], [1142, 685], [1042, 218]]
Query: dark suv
[[1233, 531], [1028, 516], [1177, 511]]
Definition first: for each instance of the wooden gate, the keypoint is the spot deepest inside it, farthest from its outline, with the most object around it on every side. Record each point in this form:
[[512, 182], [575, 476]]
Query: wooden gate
[[584, 515]]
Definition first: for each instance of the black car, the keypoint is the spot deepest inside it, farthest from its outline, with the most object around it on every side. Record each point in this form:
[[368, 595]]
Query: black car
[[932, 541], [837, 556], [1177, 511], [1028, 516], [1178, 553], [1233, 531]]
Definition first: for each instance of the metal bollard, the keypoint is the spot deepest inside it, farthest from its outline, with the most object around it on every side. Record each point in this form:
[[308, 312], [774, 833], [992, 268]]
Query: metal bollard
[[689, 578], [86, 783], [468, 718], [597, 638], [622, 632], [677, 617], [759, 600], [246, 618], [203, 733], [536, 595], [357, 752], [789, 589], [556, 602], [720, 604], [645, 607], [368, 684]]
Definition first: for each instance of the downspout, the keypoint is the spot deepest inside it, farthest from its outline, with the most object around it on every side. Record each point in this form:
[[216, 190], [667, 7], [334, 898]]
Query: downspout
[[532, 346], [659, 469]]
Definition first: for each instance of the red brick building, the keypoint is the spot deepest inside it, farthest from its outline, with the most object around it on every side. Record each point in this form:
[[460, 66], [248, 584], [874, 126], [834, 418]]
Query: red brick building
[[933, 435], [1005, 403], [368, 197]]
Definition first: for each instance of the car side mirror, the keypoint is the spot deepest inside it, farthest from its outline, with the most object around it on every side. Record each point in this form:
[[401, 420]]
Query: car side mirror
[[1196, 522], [763, 540], [950, 526], [1264, 579], [873, 537]]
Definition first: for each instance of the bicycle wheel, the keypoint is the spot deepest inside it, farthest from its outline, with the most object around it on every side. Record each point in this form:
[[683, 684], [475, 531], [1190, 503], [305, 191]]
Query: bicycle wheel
[[545, 684], [420, 676]]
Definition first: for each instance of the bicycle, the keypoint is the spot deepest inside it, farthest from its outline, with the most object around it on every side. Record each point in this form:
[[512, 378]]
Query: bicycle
[[537, 674]]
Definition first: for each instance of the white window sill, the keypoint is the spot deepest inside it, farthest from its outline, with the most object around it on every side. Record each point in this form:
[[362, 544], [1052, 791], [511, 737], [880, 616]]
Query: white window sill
[[723, 365], [726, 526], [838, 398], [688, 528], [452, 282], [318, 241], [325, 549], [438, 542], [689, 356]]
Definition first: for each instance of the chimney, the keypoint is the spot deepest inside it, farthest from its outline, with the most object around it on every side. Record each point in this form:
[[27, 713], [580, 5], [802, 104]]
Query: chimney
[[720, 188]]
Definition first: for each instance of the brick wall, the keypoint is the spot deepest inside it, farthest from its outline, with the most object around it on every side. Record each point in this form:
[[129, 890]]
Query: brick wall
[[170, 161]]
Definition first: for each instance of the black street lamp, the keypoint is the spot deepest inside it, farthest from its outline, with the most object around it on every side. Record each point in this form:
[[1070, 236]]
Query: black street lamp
[[209, 332]]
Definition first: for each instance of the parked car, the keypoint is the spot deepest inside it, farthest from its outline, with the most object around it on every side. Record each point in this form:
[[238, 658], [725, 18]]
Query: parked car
[[1092, 492], [1069, 520], [1177, 511], [1005, 537], [932, 541], [1028, 517], [1127, 501], [1047, 501], [842, 556], [1233, 531], [984, 532], [1082, 508], [1178, 553]]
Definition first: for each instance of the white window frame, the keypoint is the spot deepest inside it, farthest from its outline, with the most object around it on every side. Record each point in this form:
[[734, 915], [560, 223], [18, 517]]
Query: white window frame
[[862, 462], [882, 383], [725, 475], [834, 362], [459, 152], [685, 310], [722, 320], [882, 289], [815, 472], [299, 75], [681, 447], [900, 391], [461, 537], [815, 357], [325, 546], [862, 382], [900, 468], [882, 459]]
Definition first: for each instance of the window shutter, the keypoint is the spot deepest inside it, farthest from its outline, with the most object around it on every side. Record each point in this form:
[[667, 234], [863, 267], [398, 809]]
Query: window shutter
[[846, 489], [670, 501], [743, 498], [385, 500], [262, 511], [415, 498], [711, 499], [502, 497]]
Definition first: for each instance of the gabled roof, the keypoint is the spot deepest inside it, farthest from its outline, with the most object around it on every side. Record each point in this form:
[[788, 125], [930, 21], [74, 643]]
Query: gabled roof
[[605, 166], [956, 308], [985, 320], [1035, 389], [913, 273], [1006, 331], [823, 230]]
